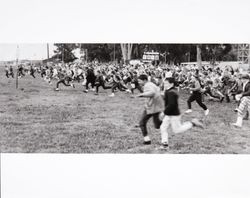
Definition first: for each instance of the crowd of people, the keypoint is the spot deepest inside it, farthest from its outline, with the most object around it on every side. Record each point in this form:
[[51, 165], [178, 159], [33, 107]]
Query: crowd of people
[[153, 81]]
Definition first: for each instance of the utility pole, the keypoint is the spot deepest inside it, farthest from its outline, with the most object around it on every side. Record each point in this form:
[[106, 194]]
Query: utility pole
[[17, 56], [80, 51], [63, 53], [47, 50], [86, 55], [198, 56]]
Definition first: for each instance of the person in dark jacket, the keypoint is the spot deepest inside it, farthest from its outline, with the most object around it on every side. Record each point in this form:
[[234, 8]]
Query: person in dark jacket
[[100, 82], [32, 71], [65, 79], [11, 72], [226, 82], [6, 71], [196, 95], [20, 71], [117, 83], [172, 114], [43, 71], [90, 79], [135, 84]]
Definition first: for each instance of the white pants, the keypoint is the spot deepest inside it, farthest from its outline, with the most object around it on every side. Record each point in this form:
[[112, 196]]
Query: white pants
[[177, 126]]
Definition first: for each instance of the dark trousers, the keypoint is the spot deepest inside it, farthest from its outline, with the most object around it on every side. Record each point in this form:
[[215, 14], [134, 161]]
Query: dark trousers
[[198, 98], [63, 82], [137, 87], [144, 119], [101, 84], [90, 81], [11, 74], [79, 77], [225, 92], [20, 73], [246, 115], [32, 74], [43, 74], [119, 86]]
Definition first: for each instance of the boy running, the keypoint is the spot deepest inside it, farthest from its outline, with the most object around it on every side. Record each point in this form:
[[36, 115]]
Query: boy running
[[32, 71], [172, 113], [6, 71], [100, 82], [196, 95], [153, 107], [64, 79], [11, 72]]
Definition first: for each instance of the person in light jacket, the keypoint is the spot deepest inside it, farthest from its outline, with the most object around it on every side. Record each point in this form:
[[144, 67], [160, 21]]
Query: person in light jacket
[[153, 107]]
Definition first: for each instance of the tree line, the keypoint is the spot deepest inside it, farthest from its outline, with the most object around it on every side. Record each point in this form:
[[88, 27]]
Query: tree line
[[169, 53]]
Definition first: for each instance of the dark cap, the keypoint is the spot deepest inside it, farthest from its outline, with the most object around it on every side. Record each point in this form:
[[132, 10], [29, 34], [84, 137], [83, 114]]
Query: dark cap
[[143, 77]]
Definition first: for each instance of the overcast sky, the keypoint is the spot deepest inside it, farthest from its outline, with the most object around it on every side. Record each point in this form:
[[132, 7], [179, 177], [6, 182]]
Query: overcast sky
[[26, 51]]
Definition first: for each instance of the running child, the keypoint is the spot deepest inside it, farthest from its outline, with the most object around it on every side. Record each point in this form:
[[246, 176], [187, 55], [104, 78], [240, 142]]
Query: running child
[[100, 82], [32, 71], [153, 107], [65, 79], [172, 114], [90, 79], [6, 71], [196, 95], [11, 72]]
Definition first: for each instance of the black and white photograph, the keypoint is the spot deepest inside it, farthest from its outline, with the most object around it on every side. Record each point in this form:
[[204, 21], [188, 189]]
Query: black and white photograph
[[125, 98]]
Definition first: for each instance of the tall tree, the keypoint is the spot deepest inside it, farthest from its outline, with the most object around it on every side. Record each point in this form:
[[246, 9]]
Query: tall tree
[[171, 53], [198, 51], [126, 51], [102, 52], [64, 51]]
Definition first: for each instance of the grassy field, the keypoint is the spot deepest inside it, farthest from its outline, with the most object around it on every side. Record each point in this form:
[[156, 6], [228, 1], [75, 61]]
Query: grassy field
[[36, 119]]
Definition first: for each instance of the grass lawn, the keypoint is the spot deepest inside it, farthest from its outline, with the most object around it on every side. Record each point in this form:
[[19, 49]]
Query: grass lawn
[[36, 119]]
